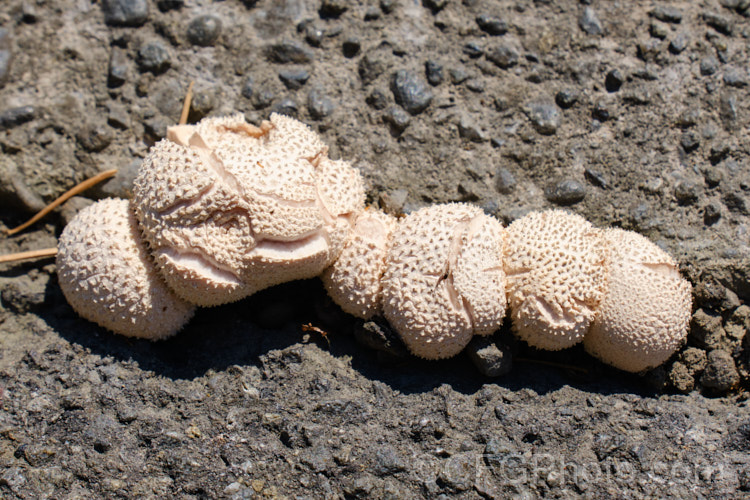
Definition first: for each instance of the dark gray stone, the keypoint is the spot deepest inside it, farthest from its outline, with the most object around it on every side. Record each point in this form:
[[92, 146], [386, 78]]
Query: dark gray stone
[[721, 373], [686, 192], [614, 80], [319, 104], [492, 25], [94, 137], [294, 78], [125, 12], [288, 51], [503, 56], [153, 56], [410, 91], [263, 98], [544, 116], [370, 67], [667, 14], [473, 50], [204, 30], [377, 99], [566, 98], [589, 22], [735, 77], [434, 72], [333, 8], [709, 65], [468, 129], [397, 118], [388, 462], [167, 5], [119, 67], [567, 192], [690, 141], [287, 107], [679, 43], [14, 117], [505, 182], [247, 88], [718, 22], [6, 54], [602, 110], [351, 47]]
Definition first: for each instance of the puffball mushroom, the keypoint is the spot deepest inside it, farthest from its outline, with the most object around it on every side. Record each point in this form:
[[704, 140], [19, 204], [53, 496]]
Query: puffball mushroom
[[444, 279], [229, 209], [645, 312], [107, 275], [354, 280], [555, 267]]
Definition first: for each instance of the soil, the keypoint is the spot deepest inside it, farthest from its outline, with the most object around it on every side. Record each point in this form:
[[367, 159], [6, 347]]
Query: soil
[[631, 114]]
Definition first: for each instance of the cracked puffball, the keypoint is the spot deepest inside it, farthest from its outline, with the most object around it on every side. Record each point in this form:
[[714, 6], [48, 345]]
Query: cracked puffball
[[354, 280], [644, 316], [229, 209], [444, 279], [555, 267], [108, 277]]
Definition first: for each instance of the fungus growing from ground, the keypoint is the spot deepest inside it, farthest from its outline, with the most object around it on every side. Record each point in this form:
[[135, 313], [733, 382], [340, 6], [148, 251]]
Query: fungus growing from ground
[[555, 267], [229, 209], [444, 279], [108, 277], [645, 312]]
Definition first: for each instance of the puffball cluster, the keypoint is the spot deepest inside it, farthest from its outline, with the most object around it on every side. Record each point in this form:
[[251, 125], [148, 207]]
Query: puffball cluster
[[223, 209]]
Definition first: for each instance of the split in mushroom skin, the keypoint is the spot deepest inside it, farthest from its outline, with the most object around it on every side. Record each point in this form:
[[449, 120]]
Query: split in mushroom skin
[[223, 209]]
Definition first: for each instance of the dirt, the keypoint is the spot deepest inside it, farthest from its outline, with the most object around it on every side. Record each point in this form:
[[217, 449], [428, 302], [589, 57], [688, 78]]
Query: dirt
[[632, 114]]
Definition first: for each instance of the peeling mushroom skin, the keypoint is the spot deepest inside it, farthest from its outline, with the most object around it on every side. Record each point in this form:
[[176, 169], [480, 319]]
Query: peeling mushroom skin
[[229, 209], [646, 310], [354, 280], [444, 279], [555, 267], [108, 277]]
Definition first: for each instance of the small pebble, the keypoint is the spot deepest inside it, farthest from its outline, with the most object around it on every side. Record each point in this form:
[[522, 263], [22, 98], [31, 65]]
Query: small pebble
[[351, 47], [614, 80], [566, 98], [567, 192], [458, 75], [94, 137], [492, 25], [468, 129], [6, 54], [377, 99], [410, 91], [397, 118], [544, 116], [595, 178], [475, 85], [718, 22], [294, 78], [167, 5], [288, 51], [125, 12], [686, 192], [434, 72], [118, 116], [667, 14], [602, 111], [313, 34], [473, 50], [154, 57], [333, 8], [690, 141], [287, 107], [118, 68], [247, 88], [204, 30], [490, 360], [319, 104], [711, 213], [503, 56], [679, 43], [589, 22], [721, 373], [14, 117], [658, 30], [505, 182], [709, 65], [263, 98], [735, 77], [387, 6]]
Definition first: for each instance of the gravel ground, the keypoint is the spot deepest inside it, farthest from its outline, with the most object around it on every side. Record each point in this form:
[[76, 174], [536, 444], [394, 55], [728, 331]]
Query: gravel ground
[[632, 114]]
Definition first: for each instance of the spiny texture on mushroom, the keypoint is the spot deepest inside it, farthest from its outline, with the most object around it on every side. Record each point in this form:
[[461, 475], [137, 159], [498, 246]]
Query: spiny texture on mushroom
[[645, 313], [107, 276], [354, 280], [554, 262], [444, 279], [229, 209]]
